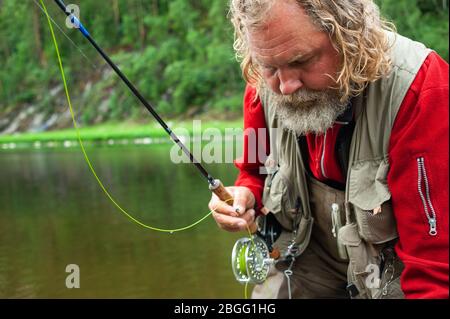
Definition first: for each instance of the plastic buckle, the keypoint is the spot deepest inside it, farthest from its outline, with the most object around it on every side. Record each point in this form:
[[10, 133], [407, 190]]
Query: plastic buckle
[[352, 290]]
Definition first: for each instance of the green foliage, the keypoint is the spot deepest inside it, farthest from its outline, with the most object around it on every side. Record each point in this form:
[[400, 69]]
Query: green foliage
[[178, 53], [422, 20]]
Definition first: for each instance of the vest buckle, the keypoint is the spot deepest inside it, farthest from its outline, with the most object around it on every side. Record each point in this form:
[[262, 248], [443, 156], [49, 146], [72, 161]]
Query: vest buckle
[[352, 290]]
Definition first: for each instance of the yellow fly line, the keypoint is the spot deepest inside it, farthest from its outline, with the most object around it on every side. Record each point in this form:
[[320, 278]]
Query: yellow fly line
[[80, 141], [86, 157]]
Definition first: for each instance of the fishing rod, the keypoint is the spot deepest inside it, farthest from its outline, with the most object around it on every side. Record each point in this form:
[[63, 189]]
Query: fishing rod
[[251, 257], [215, 185]]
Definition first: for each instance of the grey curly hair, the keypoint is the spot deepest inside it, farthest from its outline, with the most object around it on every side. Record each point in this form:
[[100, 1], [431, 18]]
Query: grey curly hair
[[355, 27]]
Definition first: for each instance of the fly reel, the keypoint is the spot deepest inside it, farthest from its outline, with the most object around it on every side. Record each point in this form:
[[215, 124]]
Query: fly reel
[[251, 260]]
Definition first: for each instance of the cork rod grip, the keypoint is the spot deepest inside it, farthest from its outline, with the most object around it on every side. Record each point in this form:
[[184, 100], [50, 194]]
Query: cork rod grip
[[223, 194], [226, 197]]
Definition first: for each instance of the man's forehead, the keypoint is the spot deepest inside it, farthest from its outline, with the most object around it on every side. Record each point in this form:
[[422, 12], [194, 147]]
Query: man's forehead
[[280, 59], [286, 35], [280, 51]]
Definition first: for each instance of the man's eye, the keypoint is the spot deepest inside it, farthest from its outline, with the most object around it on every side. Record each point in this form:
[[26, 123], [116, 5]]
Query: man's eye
[[299, 63]]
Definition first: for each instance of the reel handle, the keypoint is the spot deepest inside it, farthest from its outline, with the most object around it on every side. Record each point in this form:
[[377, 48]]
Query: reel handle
[[226, 197]]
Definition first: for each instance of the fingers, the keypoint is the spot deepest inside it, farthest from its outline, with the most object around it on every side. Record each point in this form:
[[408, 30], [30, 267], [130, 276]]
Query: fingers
[[243, 199], [248, 216], [239, 203], [218, 206], [237, 217], [234, 224]]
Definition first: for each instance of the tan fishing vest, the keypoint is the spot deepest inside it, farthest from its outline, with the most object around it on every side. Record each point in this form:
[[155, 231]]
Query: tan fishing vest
[[366, 228]]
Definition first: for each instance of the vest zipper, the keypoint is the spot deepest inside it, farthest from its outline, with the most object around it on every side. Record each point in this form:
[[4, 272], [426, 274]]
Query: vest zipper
[[427, 205], [322, 159]]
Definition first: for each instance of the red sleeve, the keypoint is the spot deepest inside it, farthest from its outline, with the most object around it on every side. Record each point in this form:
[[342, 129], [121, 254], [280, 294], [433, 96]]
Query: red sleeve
[[419, 181], [256, 146]]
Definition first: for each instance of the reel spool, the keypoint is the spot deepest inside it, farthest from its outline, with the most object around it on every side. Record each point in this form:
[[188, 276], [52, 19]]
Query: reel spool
[[251, 260]]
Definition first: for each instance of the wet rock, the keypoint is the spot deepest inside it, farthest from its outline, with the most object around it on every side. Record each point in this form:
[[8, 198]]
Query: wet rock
[[37, 123], [56, 90], [15, 123]]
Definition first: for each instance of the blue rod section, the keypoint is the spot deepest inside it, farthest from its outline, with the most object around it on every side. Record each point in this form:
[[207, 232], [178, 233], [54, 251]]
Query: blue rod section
[[77, 23]]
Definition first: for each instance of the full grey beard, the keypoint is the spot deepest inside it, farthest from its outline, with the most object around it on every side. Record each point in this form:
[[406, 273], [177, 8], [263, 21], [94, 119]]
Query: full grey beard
[[308, 111]]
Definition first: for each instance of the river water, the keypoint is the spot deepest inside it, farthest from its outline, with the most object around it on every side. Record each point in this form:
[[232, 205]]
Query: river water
[[53, 214]]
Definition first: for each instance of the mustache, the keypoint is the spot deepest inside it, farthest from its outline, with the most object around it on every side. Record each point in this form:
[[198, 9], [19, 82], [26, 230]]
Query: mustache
[[301, 97], [308, 112]]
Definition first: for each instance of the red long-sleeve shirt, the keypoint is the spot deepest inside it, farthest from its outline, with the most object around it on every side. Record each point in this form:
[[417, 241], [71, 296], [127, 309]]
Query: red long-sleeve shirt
[[421, 130]]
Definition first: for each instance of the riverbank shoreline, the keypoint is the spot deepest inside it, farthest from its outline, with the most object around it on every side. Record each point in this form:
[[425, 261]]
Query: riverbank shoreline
[[114, 133]]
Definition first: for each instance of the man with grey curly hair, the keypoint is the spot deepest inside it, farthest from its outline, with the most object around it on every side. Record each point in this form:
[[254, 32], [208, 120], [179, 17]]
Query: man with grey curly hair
[[352, 198]]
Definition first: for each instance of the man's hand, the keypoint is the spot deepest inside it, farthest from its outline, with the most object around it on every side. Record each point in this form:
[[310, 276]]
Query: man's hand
[[237, 217]]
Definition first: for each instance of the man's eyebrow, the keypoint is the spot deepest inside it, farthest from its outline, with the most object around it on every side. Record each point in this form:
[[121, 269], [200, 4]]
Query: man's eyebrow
[[300, 57]]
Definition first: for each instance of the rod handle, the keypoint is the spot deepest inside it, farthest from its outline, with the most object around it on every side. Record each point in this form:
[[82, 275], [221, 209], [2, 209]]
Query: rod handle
[[221, 192], [226, 197]]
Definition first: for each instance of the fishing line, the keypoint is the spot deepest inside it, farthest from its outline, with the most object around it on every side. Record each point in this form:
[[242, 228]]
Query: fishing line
[[86, 157], [61, 30], [85, 153]]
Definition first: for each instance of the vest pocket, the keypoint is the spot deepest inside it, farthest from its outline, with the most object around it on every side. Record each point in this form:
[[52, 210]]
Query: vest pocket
[[365, 270], [359, 259], [370, 199], [281, 199]]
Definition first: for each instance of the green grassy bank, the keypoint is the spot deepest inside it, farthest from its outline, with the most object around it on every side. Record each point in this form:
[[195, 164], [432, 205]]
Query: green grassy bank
[[112, 132]]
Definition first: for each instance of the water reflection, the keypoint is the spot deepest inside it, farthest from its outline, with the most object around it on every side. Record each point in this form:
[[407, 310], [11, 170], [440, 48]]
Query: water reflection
[[53, 213]]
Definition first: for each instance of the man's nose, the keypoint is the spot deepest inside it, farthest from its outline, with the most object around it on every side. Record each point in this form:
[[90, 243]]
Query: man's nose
[[289, 82]]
